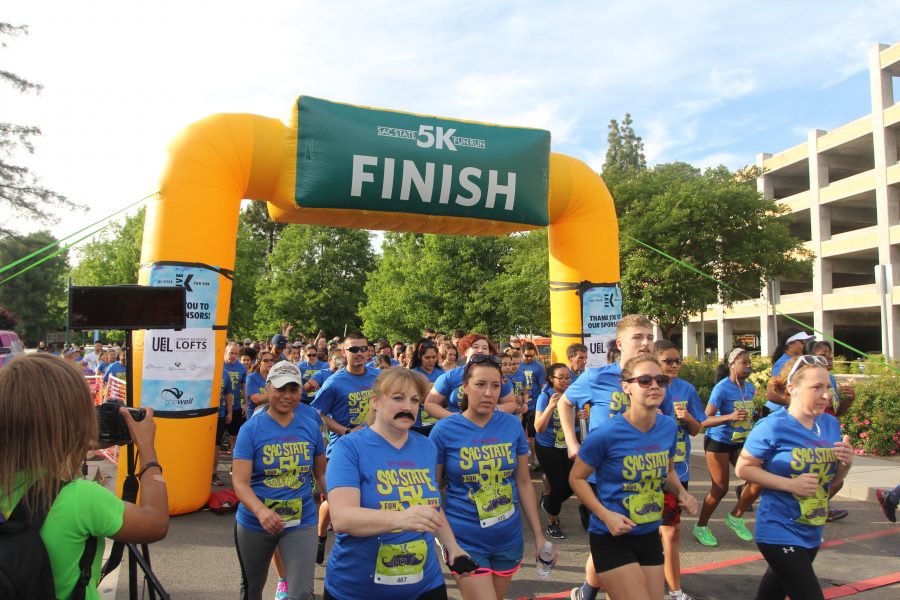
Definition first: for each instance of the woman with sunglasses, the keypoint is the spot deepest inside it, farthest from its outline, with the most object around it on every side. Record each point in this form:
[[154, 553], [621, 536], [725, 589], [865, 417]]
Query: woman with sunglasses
[[310, 367], [424, 361], [276, 457], [632, 457], [256, 381], [444, 397], [729, 418], [798, 457], [386, 501], [484, 454], [550, 446]]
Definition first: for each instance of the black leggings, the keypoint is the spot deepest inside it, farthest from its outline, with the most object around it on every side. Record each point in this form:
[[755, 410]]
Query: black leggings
[[556, 465], [438, 593], [790, 573]]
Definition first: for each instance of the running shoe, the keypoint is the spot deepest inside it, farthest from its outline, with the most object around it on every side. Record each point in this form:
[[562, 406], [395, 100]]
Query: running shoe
[[738, 490], [585, 515], [575, 594], [736, 524], [679, 596], [320, 551], [281, 590], [888, 499], [836, 514], [555, 532], [216, 480], [704, 536]]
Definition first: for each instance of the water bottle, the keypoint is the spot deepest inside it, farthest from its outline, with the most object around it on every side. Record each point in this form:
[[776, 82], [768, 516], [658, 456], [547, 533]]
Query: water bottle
[[545, 560]]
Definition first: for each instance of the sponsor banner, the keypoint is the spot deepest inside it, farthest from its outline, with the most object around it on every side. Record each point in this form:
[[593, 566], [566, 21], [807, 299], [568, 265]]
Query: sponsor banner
[[601, 311], [350, 157], [175, 396], [178, 369], [202, 287]]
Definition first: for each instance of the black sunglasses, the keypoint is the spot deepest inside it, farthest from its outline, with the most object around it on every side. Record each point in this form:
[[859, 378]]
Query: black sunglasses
[[478, 359], [672, 362], [355, 349], [644, 380]]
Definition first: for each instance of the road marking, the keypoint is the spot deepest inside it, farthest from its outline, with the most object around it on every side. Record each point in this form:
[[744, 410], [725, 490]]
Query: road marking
[[848, 589]]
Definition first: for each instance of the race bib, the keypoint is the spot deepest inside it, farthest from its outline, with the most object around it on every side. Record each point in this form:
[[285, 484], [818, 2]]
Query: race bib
[[401, 564], [427, 420], [814, 511], [494, 503], [644, 508], [680, 451], [290, 511]]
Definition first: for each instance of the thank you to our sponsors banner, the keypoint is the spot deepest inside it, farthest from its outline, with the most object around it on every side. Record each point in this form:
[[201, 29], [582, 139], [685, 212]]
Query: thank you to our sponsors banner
[[601, 309], [179, 366], [350, 157]]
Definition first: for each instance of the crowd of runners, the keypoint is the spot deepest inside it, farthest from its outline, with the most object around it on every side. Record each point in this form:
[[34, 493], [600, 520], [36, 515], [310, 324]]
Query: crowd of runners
[[402, 449], [418, 454]]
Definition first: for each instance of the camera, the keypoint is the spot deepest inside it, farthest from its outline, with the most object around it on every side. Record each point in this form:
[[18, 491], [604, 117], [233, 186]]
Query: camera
[[113, 429]]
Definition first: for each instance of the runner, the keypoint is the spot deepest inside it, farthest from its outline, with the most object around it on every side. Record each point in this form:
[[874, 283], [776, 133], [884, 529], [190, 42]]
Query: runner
[[577, 356], [308, 368], [424, 361], [335, 363], [799, 459], [633, 458], [238, 375], [256, 382], [509, 368], [447, 355], [688, 414], [791, 344], [443, 399], [535, 380], [729, 419], [484, 454], [277, 508], [226, 398], [383, 489], [343, 403], [550, 445]]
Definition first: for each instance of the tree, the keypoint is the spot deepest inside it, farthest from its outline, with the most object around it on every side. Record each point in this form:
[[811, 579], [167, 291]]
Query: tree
[[8, 320], [260, 226], [425, 280], [20, 189], [315, 280], [36, 296], [625, 152], [713, 220], [114, 257], [522, 289], [249, 266]]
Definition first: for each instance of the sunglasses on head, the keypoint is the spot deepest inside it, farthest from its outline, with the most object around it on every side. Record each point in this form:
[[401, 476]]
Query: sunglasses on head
[[645, 380], [355, 349], [479, 359], [807, 360]]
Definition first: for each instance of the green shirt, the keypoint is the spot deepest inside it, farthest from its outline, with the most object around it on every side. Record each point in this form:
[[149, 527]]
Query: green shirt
[[82, 508]]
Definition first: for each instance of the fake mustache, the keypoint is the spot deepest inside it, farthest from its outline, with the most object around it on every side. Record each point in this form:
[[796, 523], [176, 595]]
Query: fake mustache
[[405, 415]]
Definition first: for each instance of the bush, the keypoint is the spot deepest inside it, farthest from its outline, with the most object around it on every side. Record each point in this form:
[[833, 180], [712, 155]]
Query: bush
[[873, 421], [843, 366], [702, 375]]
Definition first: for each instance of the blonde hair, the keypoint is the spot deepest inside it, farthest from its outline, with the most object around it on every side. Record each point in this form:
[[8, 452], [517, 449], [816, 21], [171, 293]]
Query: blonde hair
[[393, 379], [629, 321], [47, 426]]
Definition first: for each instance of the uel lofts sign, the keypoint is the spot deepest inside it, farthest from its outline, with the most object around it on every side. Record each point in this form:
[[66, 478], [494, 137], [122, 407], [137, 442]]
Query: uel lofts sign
[[350, 157]]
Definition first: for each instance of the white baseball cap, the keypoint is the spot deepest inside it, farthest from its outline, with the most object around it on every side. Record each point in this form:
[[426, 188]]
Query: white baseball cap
[[799, 337], [283, 373]]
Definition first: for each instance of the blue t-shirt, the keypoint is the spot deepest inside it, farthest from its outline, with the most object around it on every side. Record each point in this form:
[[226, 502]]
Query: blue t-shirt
[[552, 437], [320, 377], [517, 381], [226, 389], [788, 449], [394, 363], [307, 370], [113, 370], [345, 398], [256, 383], [482, 500], [535, 378], [631, 468], [282, 473], [238, 375], [601, 387], [449, 385], [423, 419], [727, 398], [399, 564], [776, 370], [680, 391]]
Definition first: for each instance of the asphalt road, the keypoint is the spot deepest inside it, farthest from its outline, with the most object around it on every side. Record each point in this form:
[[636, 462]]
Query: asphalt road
[[197, 560]]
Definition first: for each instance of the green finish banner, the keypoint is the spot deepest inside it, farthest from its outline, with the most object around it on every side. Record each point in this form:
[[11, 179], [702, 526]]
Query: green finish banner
[[349, 157]]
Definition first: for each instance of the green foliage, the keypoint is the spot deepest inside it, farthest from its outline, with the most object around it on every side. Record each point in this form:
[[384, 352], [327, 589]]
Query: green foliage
[[256, 219], [8, 320], [425, 280], [522, 289], [842, 365], [873, 421], [37, 296], [625, 151], [315, 280], [700, 374], [114, 256], [249, 265], [713, 220]]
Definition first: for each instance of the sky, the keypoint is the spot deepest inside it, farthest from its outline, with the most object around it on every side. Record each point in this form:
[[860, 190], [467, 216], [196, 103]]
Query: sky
[[705, 82]]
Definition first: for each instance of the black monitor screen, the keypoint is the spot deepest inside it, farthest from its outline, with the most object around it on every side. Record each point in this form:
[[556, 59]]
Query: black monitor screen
[[126, 307]]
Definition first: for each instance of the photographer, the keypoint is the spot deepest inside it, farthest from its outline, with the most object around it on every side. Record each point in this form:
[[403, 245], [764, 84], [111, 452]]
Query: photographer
[[49, 423]]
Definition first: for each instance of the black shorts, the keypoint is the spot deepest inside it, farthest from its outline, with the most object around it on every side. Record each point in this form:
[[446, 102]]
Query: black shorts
[[711, 445], [237, 419], [611, 552], [220, 429], [528, 423]]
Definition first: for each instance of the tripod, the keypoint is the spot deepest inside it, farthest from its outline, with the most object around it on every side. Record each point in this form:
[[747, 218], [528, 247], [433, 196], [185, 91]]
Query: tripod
[[137, 557]]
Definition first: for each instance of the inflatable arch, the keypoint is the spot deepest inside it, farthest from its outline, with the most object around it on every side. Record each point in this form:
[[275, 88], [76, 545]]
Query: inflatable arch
[[350, 166]]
